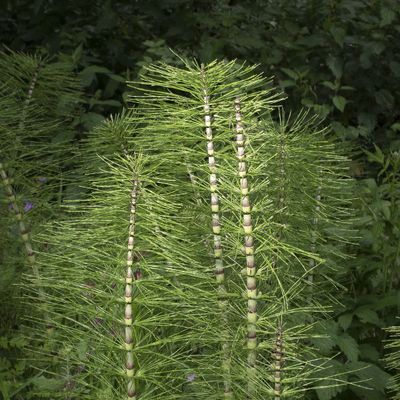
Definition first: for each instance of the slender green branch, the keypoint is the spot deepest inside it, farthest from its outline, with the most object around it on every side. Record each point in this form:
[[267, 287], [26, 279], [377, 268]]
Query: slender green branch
[[251, 280]]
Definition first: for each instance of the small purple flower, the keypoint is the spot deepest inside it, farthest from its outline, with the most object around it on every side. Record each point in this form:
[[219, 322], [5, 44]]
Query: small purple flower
[[42, 179], [28, 206], [191, 377], [11, 206]]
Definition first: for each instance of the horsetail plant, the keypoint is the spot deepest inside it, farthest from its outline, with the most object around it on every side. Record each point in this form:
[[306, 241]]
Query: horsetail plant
[[215, 200], [393, 360], [38, 102], [251, 277]]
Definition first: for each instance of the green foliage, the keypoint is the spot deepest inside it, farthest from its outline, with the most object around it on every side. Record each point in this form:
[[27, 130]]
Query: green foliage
[[38, 100], [393, 360], [340, 59], [188, 332]]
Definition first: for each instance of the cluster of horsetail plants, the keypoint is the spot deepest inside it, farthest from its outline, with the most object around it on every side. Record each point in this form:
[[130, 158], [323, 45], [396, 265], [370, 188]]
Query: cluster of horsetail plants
[[30, 89], [183, 270]]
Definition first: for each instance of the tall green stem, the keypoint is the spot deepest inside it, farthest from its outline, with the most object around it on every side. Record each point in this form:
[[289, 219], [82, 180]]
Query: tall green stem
[[278, 355], [130, 366], [10, 190], [216, 228], [251, 280]]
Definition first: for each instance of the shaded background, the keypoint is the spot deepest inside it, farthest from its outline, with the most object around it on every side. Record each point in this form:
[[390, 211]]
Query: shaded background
[[340, 59]]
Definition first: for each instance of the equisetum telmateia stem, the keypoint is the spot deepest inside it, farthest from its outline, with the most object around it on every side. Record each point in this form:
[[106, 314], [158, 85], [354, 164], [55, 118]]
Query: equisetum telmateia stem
[[313, 249], [29, 96], [129, 278], [18, 216], [251, 281], [278, 355], [10, 193], [216, 228]]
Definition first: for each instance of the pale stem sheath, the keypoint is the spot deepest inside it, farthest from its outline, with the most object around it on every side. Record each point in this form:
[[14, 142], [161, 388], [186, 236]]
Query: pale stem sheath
[[129, 277], [10, 193], [278, 355], [251, 280], [216, 228]]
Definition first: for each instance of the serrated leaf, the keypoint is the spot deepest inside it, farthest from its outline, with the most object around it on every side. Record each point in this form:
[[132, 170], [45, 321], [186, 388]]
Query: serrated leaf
[[369, 352], [328, 392], [349, 346], [338, 34], [335, 64], [51, 384], [373, 376], [345, 320], [366, 315], [339, 102], [327, 387]]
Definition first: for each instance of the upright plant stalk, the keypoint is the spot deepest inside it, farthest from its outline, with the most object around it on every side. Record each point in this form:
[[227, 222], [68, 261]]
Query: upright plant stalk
[[216, 228], [130, 367], [7, 183], [29, 96], [18, 216], [10, 193], [251, 281], [315, 222], [278, 355]]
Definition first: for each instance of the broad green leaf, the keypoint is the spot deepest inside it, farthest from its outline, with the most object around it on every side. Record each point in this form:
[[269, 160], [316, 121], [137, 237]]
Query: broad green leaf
[[43, 383], [335, 64], [290, 72], [338, 34], [287, 83], [339, 102], [330, 85], [373, 376], [396, 127], [345, 320], [369, 352], [366, 315], [349, 346], [387, 16]]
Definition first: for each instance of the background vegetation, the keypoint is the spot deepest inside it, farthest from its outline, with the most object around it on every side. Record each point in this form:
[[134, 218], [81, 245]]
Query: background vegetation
[[340, 58]]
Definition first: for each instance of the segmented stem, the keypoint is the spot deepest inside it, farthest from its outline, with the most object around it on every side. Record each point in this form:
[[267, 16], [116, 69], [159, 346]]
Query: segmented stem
[[278, 355], [9, 189], [216, 228], [29, 96], [315, 222], [18, 216], [251, 280], [129, 277]]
